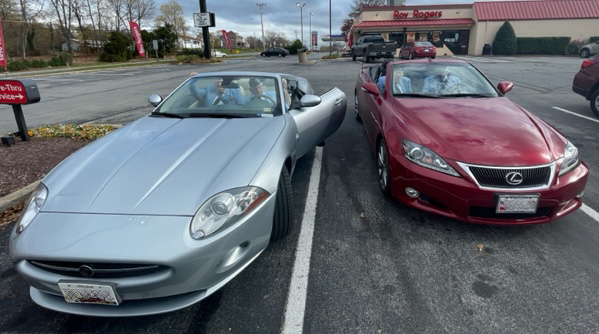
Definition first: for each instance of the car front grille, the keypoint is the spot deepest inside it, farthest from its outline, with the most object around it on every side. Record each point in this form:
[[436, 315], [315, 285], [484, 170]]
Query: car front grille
[[98, 270], [536, 177]]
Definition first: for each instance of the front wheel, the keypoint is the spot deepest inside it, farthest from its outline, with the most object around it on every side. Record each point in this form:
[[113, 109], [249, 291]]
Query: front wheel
[[382, 157], [595, 102], [353, 57], [358, 118], [584, 53], [283, 219], [280, 55], [410, 56]]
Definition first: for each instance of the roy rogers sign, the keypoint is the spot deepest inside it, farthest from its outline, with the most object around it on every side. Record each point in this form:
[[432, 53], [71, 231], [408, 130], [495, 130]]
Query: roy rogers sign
[[416, 14]]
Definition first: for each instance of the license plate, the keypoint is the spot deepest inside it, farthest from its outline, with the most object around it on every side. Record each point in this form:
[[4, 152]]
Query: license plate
[[517, 203], [426, 50], [85, 293]]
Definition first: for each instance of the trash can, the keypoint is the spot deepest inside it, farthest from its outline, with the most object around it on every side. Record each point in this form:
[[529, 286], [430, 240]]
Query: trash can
[[302, 56], [487, 49]]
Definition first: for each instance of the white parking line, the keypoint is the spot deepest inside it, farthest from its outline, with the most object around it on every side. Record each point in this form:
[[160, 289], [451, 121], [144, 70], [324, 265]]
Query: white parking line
[[298, 289], [113, 74], [576, 114], [589, 211], [53, 79]]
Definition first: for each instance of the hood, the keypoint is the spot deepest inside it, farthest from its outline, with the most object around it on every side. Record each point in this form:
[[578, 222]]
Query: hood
[[485, 131], [161, 166]]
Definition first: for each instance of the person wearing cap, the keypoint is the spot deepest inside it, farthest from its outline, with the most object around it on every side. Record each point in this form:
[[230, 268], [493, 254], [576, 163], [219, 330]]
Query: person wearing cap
[[217, 93], [257, 91], [381, 81]]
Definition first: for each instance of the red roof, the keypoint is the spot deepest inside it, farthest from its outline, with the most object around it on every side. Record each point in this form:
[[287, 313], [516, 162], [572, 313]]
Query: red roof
[[412, 23], [536, 10]]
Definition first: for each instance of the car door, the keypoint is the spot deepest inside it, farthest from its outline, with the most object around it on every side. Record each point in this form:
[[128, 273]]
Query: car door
[[595, 48], [367, 102], [315, 124]]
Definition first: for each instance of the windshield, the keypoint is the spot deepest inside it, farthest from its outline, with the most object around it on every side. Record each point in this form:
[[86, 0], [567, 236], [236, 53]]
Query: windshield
[[440, 80], [423, 44], [224, 96]]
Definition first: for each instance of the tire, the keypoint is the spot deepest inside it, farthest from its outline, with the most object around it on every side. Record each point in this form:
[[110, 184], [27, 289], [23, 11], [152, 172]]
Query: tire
[[382, 162], [434, 57], [366, 59], [282, 222], [358, 118], [595, 102], [410, 57], [353, 57], [262, 55], [280, 55], [585, 53], [400, 55]]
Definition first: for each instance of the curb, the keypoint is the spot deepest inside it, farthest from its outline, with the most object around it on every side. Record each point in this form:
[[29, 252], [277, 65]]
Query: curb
[[17, 197]]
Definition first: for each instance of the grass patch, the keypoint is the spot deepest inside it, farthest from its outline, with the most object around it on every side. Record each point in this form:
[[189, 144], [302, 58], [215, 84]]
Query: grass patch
[[77, 131]]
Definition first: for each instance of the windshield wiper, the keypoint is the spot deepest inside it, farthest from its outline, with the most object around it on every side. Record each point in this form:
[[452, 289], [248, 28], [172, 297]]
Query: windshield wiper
[[417, 95], [222, 115], [466, 95], [166, 114]]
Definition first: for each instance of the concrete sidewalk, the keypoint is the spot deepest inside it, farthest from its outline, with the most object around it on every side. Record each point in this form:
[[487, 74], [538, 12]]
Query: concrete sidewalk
[[71, 69]]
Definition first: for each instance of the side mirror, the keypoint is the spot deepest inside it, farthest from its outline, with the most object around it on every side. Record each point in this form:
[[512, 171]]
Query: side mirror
[[370, 88], [155, 99], [505, 87], [310, 101]]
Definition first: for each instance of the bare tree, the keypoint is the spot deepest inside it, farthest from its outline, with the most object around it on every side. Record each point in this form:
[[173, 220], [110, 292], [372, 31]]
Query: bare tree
[[138, 10], [7, 9], [64, 14], [28, 10], [172, 13], [355, 9], [275, 39]]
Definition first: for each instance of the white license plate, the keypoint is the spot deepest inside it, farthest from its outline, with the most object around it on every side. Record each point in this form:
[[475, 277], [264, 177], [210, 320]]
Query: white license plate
[[517, 203], [84, 293], [426, 50]]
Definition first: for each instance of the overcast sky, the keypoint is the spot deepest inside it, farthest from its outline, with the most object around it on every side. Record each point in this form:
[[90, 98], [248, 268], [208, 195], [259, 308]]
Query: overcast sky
[[243, 16]]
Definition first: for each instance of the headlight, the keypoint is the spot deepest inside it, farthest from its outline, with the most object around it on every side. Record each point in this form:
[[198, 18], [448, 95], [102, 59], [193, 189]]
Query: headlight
[[224, 209], [425, 157], [34, 204], [570, 159]]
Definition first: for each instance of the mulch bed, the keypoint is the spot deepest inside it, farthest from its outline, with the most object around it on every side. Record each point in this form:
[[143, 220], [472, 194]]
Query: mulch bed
[[27, 162]]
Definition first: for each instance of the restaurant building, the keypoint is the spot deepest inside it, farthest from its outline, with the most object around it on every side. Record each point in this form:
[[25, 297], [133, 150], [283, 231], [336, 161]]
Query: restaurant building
[[465, 29]]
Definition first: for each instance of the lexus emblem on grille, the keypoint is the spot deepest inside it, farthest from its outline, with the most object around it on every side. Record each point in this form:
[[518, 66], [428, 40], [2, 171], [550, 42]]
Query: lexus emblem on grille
[[86, 271], [514, 178]]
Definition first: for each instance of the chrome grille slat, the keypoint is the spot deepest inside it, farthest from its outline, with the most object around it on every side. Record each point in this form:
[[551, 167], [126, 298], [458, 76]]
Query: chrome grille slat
[[104, 270], [494, 177]]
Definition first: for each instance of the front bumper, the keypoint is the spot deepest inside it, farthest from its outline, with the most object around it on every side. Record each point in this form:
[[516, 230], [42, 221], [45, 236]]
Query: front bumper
[[460, 198], [196, 268]]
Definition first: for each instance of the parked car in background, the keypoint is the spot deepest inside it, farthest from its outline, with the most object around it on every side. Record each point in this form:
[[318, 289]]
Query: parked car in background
[[590, 49], [373, 46], [586, 82], [418, 50], [447, 142], [279, 52], [218, 54], [162, 213]]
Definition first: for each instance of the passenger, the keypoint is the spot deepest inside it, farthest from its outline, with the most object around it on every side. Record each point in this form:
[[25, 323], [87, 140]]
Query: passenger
[[401, 83], [381, 81], [444, 82], [217, 93], [257, 91]]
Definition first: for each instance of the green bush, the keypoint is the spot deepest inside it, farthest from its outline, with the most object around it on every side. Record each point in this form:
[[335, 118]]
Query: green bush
[[15, 65], [593, 39], [38, 63], [505, 40], [55, 62], [66, 58], [293, 47], [543, 45], [191, 52], [187, 59], [117, 48]]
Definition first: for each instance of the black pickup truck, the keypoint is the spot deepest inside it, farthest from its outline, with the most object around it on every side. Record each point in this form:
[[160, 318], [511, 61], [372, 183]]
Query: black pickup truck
[[372, 47]]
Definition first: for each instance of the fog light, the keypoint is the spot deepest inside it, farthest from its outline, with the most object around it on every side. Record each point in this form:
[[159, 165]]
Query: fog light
[[580, 195], [412, 192]]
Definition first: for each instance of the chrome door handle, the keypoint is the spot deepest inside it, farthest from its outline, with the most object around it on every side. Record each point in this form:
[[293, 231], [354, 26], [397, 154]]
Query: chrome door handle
[[338, 101]]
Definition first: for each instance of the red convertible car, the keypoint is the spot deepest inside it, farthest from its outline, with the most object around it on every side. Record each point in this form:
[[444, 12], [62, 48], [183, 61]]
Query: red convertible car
[[448, 142]]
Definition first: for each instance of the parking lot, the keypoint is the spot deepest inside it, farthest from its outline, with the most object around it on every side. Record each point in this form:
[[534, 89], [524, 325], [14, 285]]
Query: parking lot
[[375, 265]]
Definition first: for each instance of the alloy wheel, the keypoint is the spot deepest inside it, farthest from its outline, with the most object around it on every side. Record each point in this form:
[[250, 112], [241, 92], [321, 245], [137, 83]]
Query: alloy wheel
[[383, 166], [356, 106]]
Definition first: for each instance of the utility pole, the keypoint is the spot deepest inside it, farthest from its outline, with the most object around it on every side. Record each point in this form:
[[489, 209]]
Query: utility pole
[[301, 7], [262, 5], [330, 32], [310, 32], [205, 32]]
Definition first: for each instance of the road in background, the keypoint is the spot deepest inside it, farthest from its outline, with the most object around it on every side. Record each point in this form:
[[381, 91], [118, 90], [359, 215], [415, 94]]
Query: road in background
[[376, 266]]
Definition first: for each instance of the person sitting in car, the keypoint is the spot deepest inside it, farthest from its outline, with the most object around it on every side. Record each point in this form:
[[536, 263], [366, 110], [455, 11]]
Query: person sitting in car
[[257, 91], [442, 83], [217, 93], [401, 83], [383, 70]]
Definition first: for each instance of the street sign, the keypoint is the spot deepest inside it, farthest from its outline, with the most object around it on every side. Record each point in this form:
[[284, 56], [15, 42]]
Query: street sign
[[18, 92], [155, 44], [201, 20]]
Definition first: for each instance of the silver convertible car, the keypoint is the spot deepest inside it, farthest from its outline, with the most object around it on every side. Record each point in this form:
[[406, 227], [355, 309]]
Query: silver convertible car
[[162, 213]]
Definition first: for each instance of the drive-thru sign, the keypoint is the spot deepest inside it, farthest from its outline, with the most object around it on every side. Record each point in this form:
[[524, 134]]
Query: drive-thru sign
[[17, 93]]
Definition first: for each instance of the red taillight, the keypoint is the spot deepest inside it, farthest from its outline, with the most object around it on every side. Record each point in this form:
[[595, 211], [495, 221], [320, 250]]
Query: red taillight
[[587, 63], [418, 49]]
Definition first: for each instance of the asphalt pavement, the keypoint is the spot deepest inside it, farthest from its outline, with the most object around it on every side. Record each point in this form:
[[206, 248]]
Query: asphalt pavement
[[376, 266]]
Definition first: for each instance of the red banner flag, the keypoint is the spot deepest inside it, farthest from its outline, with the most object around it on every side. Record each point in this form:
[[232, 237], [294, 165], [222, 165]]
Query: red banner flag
[[2, 49], [136, 32], [227, 40]]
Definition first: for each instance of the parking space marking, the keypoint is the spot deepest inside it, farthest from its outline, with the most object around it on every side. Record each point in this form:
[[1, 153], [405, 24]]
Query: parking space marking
[[589, 211], [298, 289], [576, 114], [54, 79], [113, 73]]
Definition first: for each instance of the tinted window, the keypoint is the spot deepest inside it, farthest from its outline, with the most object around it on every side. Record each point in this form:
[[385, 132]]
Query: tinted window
[[423, 44], [373, 39]]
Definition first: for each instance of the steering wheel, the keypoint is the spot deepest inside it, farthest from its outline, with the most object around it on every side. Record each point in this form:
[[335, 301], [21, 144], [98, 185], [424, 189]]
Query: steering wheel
[[266, 97]]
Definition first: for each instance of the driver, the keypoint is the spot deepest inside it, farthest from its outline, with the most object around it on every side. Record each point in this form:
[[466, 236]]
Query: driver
[[217, 93], [443, 82], [257, 91]]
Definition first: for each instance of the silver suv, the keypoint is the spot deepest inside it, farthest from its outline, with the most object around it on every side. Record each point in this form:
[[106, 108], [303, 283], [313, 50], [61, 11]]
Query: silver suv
[[590, 49]]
